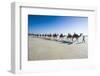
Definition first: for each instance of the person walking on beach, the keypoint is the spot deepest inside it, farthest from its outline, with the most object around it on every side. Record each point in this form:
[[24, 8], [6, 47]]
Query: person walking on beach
[[83, 39]]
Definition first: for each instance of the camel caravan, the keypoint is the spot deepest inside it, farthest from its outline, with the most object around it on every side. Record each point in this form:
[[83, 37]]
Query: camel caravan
[[70, 38]]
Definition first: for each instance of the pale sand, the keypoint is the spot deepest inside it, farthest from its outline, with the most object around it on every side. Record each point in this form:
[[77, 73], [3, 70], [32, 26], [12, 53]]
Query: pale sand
[[41, 49]]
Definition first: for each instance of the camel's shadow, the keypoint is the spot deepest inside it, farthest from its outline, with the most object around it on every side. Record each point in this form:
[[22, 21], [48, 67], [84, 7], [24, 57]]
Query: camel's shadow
[[66, 42], [69, 42]]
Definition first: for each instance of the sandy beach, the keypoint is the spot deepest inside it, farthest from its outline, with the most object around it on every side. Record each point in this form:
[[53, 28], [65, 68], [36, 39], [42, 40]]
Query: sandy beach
[[41, 49]]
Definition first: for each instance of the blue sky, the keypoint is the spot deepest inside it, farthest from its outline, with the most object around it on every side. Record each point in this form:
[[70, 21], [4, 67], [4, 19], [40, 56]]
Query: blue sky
[[57, 24]]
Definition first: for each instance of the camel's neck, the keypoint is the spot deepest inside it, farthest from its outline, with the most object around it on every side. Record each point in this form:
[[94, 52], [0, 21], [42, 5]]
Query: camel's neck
[[80, 35]]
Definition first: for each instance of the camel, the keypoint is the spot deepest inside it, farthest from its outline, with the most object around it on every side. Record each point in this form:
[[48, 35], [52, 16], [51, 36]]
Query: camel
[[55, 36], [69, 36], [76, 36], [61, 36]]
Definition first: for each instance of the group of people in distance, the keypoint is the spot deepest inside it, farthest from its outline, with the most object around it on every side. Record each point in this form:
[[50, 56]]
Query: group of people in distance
[[74, 37]]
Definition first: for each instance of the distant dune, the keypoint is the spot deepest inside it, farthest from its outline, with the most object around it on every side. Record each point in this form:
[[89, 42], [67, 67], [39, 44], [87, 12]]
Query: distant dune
[[41, 49]]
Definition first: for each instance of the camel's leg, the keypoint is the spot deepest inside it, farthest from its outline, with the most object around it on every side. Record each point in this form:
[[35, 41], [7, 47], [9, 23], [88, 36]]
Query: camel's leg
[[83, 41], [77, 39], [67, 38], [72, 39]]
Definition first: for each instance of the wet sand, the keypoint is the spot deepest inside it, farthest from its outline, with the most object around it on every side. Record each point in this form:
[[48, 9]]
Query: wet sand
[[41, 49]]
